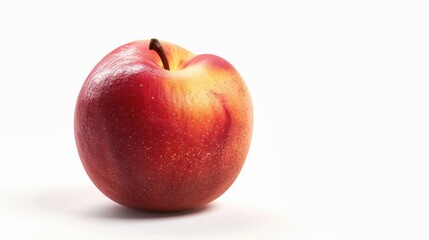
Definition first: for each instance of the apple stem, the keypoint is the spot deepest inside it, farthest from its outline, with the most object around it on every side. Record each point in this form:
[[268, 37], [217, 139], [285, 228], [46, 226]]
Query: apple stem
[[156, 46]]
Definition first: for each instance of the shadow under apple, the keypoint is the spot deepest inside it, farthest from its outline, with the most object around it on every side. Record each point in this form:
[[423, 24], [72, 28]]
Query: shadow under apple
[[116, 211], [213, 219]]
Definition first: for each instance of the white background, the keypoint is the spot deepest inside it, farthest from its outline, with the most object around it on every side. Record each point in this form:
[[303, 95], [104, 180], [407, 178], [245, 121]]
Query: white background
[[341, 101]]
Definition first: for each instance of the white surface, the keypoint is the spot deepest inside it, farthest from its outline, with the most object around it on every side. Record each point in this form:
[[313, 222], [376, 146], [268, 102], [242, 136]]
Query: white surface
[[341, 100]]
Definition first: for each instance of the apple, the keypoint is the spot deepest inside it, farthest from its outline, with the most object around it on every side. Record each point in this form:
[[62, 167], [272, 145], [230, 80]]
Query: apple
[[161, 129]]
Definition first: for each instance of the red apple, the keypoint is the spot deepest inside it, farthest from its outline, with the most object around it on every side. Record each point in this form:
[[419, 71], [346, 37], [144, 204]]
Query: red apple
[[161, 129]]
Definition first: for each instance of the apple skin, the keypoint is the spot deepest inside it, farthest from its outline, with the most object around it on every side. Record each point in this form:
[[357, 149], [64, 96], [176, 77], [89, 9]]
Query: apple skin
[[161, 140]]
